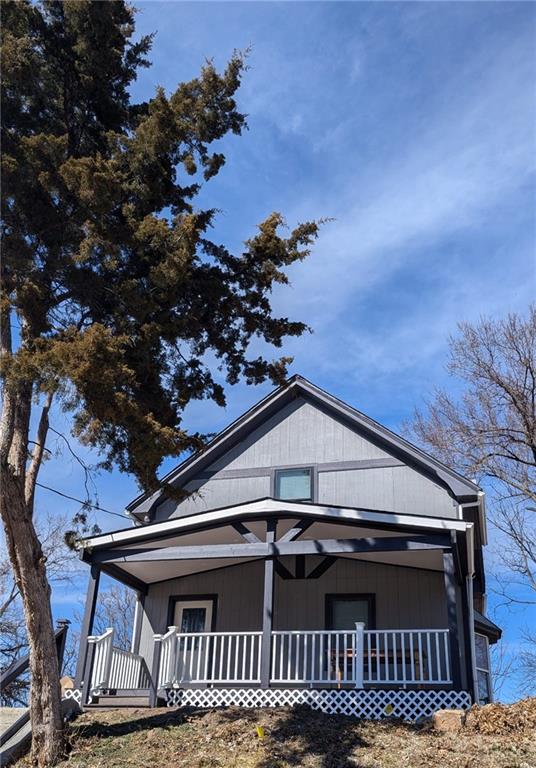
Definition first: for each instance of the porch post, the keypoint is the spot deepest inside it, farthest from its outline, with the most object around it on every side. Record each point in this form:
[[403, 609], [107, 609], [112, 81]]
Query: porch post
[[359, 654], [450, 593], [87, 622], [267, 609], [138, 618], [155, 670]]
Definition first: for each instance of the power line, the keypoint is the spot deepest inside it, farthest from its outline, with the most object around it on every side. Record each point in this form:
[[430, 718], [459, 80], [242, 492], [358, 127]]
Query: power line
[[84, 503]]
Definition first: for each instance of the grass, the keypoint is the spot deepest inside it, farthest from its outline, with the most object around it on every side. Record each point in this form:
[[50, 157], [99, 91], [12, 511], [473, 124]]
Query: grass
[[229, 738]]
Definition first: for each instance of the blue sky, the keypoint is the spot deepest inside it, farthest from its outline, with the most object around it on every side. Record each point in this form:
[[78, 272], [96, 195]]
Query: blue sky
[[412, 125]]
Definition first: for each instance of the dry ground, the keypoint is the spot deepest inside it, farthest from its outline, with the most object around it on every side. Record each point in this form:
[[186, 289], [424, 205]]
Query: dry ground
[[295, 737]]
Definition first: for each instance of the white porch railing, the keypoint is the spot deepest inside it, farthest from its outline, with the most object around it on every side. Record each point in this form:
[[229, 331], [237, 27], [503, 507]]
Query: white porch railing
[[406, 657], [217, 657], [114, 668], [313, 658]]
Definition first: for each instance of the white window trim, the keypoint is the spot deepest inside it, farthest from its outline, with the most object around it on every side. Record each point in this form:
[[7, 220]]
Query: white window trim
[[308, 469]]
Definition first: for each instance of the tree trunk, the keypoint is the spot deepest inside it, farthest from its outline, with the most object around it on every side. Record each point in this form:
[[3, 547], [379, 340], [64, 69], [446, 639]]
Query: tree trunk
[[28, 562]]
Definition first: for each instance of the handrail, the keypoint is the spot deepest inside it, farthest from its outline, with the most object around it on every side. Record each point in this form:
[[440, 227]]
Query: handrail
[[21, 664], [168, 652], [102, 658]]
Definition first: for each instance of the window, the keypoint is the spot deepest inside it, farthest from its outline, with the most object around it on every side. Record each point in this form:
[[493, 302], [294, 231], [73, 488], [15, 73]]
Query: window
[[294, 484], [343, 611], [482, 668]]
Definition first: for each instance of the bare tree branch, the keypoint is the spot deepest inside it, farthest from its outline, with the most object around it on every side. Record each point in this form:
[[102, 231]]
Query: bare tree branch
[[37, 453]]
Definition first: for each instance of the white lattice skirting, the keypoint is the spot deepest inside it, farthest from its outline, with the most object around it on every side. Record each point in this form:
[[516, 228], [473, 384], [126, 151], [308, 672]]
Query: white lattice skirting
[[73, 693], [368, 705]]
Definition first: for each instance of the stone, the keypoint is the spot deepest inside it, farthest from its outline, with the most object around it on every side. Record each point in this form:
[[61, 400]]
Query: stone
[[66, 683], [448, 720]]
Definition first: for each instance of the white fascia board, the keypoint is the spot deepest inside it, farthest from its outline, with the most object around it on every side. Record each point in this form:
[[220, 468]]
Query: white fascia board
[[483, 520], [270, 506], [470, 544]]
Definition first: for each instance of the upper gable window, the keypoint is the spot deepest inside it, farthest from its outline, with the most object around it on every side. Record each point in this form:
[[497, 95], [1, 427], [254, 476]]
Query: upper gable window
[[294, 484]]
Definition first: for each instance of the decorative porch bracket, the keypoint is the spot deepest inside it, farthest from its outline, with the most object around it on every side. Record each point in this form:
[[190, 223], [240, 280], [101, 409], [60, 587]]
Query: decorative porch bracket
[[300, 527], [246, 534]]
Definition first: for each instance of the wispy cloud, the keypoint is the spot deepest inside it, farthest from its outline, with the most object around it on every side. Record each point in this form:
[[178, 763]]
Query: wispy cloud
[[421, 213]]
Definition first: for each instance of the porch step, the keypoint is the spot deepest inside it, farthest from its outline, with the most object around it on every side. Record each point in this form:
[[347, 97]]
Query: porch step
[[111, 701]]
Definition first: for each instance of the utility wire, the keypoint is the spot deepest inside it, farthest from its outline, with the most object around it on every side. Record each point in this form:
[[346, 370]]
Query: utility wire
[[84, 503]]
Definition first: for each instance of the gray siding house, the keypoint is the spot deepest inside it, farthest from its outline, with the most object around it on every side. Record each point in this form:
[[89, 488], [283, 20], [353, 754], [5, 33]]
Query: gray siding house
[[314, 557]]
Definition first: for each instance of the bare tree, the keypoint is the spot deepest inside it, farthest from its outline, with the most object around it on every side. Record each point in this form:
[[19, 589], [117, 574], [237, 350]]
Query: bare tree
[[490, 430], [527, 664], [487, 430], [115, 608], [62, 566]]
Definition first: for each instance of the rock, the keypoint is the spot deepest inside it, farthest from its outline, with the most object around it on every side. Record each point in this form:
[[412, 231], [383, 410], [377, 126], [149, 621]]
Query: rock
[[66, 683], [448, 720]]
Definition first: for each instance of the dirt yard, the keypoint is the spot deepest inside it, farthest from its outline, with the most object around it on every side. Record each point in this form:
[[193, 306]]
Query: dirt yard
[[494, 737]]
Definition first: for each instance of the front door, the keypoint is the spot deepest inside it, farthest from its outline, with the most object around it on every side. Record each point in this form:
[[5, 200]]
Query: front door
[[192, 617]]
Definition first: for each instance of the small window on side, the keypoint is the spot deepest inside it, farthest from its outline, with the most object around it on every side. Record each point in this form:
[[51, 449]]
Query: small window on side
[[293, 485], [483, 669]]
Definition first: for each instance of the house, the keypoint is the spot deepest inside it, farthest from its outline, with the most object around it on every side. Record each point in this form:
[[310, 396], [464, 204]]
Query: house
[[308, 554]]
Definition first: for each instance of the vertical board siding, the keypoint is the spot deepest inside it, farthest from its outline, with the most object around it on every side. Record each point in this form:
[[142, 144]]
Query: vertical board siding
[[400, 489], [303, 433], [300, 433], [214, 493], [406, 598]]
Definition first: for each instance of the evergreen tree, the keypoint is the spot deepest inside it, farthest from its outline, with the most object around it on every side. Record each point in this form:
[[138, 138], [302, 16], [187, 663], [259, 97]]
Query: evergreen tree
[[119, 294]]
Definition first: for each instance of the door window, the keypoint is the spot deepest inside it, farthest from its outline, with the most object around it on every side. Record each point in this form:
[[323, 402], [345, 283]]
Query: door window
[[193, 615], [193, 620]]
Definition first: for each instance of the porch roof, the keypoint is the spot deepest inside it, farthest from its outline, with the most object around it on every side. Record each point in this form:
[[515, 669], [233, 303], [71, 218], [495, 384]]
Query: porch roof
[[215, 538]]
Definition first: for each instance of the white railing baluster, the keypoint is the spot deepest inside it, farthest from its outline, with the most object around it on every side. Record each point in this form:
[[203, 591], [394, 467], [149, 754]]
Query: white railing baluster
[[447, 656], [395, 654]]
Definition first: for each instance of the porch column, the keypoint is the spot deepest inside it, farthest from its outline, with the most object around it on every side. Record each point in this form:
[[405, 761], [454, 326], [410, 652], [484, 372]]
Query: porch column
[[136, 626], [87, 622], [267, 608], [467, 640], [450, 593]]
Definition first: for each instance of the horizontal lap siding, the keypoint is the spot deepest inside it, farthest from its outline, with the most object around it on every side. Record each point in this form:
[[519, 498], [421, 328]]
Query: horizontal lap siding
[[405, 597]]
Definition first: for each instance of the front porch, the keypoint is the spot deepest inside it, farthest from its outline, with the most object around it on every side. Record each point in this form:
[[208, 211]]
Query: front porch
[[260, 606]]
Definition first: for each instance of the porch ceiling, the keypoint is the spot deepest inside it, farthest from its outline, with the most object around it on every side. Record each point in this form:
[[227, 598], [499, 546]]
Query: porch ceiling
[[163, 570], [153, 572]]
